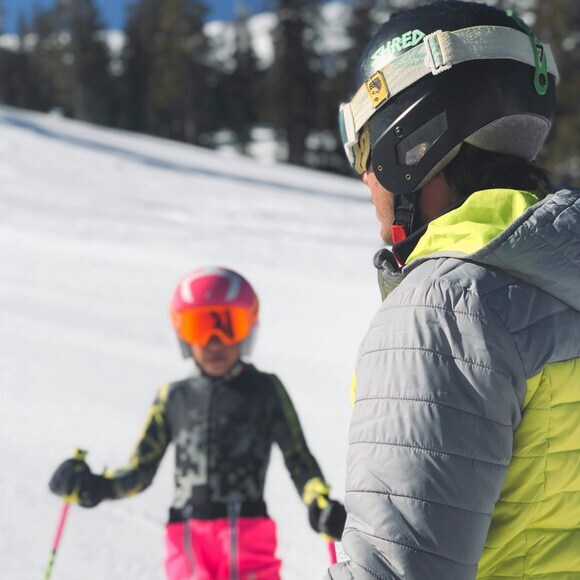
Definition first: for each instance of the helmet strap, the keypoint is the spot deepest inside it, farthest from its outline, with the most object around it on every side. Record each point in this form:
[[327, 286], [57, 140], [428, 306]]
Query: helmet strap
[[247, 345], [406, 229], [185, 348], [404, 246], [406, 210]]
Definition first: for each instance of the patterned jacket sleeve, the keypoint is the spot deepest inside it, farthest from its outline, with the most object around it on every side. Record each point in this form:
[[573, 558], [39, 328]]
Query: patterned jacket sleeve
[[147, 454], [439, 388], [289, 436]]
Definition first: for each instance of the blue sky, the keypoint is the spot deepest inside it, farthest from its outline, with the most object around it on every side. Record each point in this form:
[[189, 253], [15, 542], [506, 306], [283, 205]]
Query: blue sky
[[113, 10]]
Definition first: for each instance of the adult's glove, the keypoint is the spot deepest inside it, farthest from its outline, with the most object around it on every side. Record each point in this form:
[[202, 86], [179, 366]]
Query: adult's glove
[[326, 516], [74, 481]]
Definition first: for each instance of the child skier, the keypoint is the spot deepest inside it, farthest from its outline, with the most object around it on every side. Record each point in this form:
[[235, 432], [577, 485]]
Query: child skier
[[222, 421]]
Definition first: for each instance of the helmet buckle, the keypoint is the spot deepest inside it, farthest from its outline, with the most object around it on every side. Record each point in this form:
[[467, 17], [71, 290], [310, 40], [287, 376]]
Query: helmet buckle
[[398, 233], [435, 57]]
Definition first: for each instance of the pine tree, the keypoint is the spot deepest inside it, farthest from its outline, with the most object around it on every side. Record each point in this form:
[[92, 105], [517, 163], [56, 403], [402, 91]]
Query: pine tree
[[165, 70], [18, 84], [4, 59], [26, 81], [47, 56], [140, 28], [359, 30], [89, 57], [295, 74], [70, 59], [559, 24], [242, 85]]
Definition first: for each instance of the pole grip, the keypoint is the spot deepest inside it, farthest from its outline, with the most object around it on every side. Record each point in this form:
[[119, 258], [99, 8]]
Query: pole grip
[[79, 454]]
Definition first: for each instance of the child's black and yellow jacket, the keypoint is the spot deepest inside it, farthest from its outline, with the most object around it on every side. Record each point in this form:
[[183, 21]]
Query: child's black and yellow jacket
[[223, 430]]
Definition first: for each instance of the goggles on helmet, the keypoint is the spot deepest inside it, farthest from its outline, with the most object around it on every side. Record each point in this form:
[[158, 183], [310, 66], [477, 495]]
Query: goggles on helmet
[[436, 52], [357, 144], [231, 324]]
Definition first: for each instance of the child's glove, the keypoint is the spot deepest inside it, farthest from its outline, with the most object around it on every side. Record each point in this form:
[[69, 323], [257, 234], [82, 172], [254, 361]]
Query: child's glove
[[74, 481], [326, 516]]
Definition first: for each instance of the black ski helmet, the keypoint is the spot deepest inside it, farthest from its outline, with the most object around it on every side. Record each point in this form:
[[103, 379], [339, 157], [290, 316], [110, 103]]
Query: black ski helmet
[[442, 74]]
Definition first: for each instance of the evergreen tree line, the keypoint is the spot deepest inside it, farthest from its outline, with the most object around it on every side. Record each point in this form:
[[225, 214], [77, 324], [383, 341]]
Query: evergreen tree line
[[169, 79]]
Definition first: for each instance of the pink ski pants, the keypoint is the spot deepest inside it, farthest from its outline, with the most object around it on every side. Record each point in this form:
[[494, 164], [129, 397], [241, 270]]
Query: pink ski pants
[[200, 550]]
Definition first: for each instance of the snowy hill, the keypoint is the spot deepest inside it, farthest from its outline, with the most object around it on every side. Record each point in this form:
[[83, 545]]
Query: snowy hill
[[97, 227]]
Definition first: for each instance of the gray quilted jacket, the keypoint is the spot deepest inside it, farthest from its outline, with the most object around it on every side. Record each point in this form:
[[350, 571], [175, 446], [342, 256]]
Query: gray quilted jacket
[[441, 382]]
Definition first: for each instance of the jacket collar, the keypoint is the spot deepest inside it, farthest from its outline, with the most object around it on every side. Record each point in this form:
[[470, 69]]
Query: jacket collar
[[464, 229]]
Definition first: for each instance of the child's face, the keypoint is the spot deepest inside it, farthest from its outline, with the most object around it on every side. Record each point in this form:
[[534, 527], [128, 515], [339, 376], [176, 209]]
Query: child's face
[[215, 358]]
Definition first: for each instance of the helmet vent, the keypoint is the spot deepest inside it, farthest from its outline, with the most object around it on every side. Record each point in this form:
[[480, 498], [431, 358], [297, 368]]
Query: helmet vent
[[413, 148]]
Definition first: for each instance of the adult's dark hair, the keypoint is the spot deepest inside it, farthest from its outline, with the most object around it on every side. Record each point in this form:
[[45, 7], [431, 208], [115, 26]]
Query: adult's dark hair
[[474, 169]]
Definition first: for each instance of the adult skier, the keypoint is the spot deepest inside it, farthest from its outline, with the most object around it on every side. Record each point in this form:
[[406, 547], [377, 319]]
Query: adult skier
[[465, 442], [222, 421]]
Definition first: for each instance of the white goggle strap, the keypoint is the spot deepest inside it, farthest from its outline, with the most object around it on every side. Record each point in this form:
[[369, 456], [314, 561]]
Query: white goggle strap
[[349, 134], [437, 53]]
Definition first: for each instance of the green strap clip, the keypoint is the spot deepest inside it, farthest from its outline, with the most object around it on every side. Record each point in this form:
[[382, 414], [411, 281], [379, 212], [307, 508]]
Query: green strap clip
[[541, 62]]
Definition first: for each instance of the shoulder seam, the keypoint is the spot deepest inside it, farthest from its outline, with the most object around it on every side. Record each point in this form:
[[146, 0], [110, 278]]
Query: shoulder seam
[[436, 404], [436, 353], [431, 452], [419, 500], [406, 547]]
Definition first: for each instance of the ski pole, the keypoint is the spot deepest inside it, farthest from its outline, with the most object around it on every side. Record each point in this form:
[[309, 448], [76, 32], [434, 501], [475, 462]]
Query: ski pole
[[332, 551], [55, 543], [322, 502], [80, 455]]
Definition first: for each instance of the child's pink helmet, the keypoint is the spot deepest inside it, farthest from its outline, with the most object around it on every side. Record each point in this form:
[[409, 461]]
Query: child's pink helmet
[[210, 302]]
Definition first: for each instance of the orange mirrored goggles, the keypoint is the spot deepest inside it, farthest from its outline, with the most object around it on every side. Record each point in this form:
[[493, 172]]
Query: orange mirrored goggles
[[231, 324]]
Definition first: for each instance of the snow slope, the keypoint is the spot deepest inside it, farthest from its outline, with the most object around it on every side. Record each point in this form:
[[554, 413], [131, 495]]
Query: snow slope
[[97, 226]]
